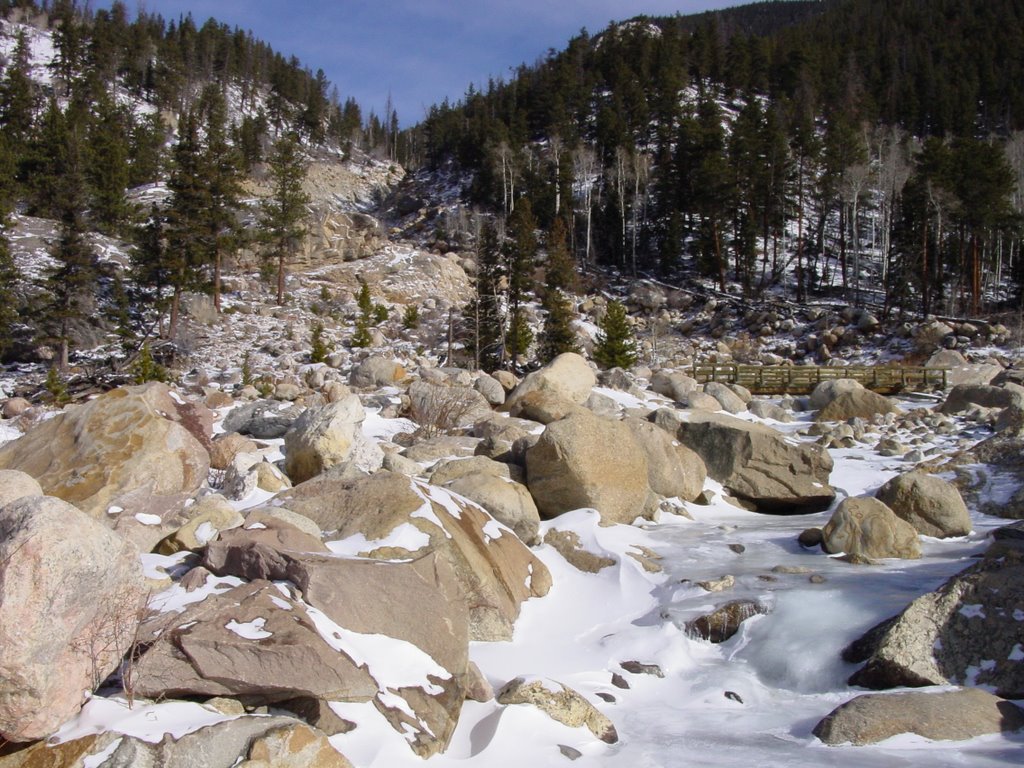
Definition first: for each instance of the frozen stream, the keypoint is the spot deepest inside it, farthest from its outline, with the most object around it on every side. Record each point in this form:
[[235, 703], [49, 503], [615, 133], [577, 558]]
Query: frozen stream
[[751, 701]]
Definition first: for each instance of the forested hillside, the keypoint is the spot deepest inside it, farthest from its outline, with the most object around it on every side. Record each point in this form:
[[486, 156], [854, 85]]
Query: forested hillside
[[94, 105], [862, 148]]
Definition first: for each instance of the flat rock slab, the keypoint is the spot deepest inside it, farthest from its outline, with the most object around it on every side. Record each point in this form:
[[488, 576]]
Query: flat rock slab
[[943, 716]]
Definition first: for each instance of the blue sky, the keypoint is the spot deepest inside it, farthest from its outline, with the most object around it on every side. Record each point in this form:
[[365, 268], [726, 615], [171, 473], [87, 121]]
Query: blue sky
[[420, 51]]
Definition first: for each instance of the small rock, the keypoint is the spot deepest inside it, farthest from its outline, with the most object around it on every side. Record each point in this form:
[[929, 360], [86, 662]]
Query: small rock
[[639, 668], [810, 538], [571, 752], [619, 681], [724, 622], [732, 695], [739, 549], [718, 585]]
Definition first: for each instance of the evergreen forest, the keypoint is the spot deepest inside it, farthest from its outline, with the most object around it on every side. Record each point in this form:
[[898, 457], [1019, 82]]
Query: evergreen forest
[[860, 149]]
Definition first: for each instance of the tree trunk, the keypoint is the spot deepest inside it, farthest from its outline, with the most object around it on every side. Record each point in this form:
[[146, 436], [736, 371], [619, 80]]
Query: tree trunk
[[842, 246], [172, 326], [800, 233], [718, 256], [216, 280], [280, 277]]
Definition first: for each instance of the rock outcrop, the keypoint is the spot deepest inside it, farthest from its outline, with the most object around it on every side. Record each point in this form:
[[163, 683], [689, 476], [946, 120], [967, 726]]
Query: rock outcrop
[[340, 642], [388, 515], [963, 396], [857, 404], [967, 632]]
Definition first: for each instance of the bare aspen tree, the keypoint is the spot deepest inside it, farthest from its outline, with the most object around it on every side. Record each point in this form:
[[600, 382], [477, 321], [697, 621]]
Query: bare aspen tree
[[641, 182], [557, 146], [584, 164], [855, 180], [893, 174], [507, 164]]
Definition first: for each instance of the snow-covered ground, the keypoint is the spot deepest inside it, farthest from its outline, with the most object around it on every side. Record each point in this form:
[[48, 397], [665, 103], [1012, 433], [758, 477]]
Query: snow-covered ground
[[752, 700]]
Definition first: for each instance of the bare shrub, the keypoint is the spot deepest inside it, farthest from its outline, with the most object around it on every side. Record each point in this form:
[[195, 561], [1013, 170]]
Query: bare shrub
[[112, 635], [440, 409]]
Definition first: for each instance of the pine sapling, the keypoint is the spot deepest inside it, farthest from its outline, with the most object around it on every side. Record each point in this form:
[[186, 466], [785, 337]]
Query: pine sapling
[[616, 345]]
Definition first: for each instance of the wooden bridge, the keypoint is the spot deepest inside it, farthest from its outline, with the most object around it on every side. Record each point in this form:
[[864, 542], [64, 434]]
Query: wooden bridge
[[802, 379]]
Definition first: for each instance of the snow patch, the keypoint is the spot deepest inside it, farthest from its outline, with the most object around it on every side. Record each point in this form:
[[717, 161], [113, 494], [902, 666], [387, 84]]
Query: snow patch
[[250, 630]]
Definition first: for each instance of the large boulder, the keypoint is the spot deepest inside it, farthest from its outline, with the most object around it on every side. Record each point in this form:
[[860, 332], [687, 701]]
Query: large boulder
[[929, 503], [387, 515], [212, 514], [322, 437], [860, 404], [585, 461], [71, 596], [941, 716], [228, 445], [568, 376], [263, 419], [377, 371], [966, 632], [959, 371], [760, 464], [673, 384], [15, 485], [673, 470], [119, 458], [867, 528], [827, 391], [729, 401], [963, 396], [247, 641]]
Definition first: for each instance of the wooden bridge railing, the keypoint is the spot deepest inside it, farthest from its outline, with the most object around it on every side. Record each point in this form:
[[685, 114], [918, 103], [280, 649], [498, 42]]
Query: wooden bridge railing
[[802, 379]]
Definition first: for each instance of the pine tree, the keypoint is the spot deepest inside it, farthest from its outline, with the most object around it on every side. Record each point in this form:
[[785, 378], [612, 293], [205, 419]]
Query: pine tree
[[8, 301], [8, 269], [151, 264], [560, 271], [18, 93], [364, 301], [483, 316], [222, 165], [558, 335], [68, 44], [283, 212], [318, 350], [71, 282], [361, 337], [145, 368], [146, 150], [108, 170], [520, 252], [186, 248], [616, 345]]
